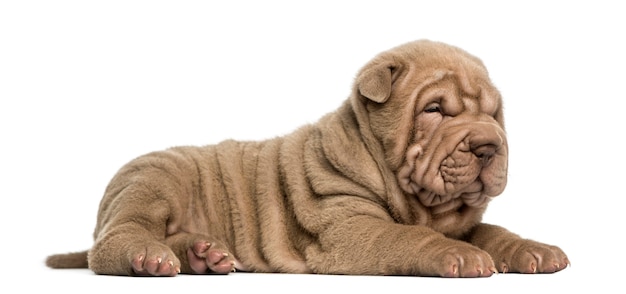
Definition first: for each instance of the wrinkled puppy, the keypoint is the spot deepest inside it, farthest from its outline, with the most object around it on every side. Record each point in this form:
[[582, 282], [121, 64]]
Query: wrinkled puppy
[[394, 182]]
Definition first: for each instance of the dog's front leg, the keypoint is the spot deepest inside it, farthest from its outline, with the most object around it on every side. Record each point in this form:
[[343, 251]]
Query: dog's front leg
[[512, 253], [366, 244]]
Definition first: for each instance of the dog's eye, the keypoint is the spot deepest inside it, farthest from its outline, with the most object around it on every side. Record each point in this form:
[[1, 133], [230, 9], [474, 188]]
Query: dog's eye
[[433, 108]]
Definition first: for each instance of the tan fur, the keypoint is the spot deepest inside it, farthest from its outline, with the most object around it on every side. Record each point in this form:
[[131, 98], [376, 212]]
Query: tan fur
[[394, 183]]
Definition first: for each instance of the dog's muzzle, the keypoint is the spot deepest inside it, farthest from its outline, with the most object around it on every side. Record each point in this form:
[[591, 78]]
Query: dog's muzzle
[[466, 160]]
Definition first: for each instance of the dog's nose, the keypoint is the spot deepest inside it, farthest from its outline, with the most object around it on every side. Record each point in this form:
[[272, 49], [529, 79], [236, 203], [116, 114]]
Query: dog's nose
[[485, 152]]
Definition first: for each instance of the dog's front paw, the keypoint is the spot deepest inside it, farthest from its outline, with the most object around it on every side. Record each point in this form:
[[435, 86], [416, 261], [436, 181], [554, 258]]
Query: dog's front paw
[[533, 257], [465, 261], [206, 257]]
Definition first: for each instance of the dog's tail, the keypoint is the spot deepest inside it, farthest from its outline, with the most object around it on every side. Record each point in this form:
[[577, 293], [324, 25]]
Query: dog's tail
[[68, 260]]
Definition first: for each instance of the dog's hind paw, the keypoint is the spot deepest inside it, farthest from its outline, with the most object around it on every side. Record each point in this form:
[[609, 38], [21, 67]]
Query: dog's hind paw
[[206, 257], [154, 262]]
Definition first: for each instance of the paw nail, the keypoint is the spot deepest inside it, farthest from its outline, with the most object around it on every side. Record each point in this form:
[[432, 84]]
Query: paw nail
[[171, 263], [159, 260], [225, 254], [177, 270]]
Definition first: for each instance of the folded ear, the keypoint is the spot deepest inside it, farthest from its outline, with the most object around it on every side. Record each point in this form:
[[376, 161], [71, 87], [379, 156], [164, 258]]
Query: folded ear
[[375, 82]]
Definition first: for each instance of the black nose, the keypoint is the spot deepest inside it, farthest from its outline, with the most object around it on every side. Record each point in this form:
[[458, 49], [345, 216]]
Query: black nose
[[485, 152]]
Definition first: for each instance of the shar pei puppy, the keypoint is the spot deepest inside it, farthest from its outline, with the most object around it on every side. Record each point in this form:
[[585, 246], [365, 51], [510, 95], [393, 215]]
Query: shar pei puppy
[[394, 182]]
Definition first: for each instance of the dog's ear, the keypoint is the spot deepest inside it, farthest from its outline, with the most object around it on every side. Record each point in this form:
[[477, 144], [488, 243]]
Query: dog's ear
[[375, 82]]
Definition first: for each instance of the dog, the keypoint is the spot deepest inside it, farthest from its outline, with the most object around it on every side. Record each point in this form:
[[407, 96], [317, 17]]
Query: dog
[[394, 182]]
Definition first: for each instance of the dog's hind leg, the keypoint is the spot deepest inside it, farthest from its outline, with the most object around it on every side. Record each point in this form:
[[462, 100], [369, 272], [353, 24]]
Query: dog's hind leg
[[131, 242], [140, 208], [135, 243]]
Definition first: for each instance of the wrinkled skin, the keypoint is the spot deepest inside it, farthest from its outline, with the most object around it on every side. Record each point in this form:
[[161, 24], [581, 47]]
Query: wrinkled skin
[[458, 154], [451, 156], [394, 182]]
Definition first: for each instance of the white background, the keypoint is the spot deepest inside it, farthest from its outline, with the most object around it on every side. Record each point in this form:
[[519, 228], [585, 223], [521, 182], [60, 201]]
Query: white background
[[86, 86]]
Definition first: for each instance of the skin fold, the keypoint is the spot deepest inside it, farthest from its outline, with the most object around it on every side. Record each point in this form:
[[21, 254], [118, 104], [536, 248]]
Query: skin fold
[[394, 182]]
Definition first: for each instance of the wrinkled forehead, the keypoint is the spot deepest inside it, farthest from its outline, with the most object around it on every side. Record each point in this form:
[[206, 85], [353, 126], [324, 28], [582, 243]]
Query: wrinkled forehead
[[458, 84], [458, 92]]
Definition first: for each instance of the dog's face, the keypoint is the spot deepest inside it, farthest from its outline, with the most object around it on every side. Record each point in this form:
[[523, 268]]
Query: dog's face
[[440, 122], [457, 152]]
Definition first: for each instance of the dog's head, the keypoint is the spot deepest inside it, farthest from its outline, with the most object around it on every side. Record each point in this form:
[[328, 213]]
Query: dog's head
[[439, 121]]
